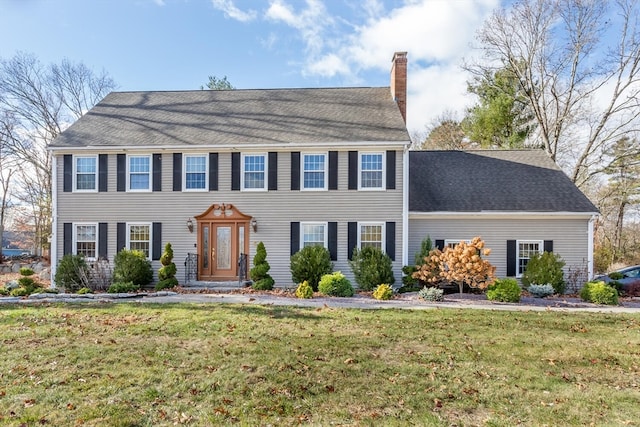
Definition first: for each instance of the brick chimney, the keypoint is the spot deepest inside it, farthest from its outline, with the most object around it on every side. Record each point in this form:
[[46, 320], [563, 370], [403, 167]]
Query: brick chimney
[[399, 82]]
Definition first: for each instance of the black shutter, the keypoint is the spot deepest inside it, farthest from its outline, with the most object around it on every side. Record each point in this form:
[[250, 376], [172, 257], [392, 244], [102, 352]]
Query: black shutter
[[103, 239], [333, 170], [440, 245], [391, 170], [353, 171], [103, 172], [121, 173], [511, 258], [121, 236], [235, 171], [213, 171], [548, 245], [390, 246], [157, 172], [67, 238], [177, 171], [295, 237], [352, 238], [295, 170], [332, 234], [156, 246], [273, 171], [67, 166]]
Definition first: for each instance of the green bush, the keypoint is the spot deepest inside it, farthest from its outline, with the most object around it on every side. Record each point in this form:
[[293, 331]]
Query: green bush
[[599, 293], [4, 291], [383, 292], [304, 290], [84, 291], [616, 275], [504, 290], [123, 288], [410, 283], [431, 294], [71, 273], [19, 292], [262, 281], [335, 284], [29, 284], [166, 284], [541, 291], [168, 269], [545, 268], [310, 264], [132, 266], [26, 271], [371, 267]]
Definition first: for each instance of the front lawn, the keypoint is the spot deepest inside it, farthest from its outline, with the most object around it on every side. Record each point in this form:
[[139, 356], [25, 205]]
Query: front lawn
[[127, 364]]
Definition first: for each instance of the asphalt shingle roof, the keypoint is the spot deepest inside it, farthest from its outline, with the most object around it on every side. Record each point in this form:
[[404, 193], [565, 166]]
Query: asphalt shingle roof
[[502, 180], [236, 117]]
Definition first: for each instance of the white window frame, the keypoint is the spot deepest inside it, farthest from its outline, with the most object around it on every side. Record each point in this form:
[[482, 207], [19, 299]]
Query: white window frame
[[325, 226], [242, 171], [75, 238], [325, 172], [146, 224], [75, 174], [382, 186], [139, 190], [540, 244], [206, 172], [383, 231], [452, 243]]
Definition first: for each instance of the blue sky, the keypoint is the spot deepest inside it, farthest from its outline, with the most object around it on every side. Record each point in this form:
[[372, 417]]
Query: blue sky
[[177, 44]]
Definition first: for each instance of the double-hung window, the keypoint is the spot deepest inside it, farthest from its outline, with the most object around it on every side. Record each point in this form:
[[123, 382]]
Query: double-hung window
[[527, 249], [139, 173], [371, 168], [86, 172], [314, 171], [195, 172], [139, 238], [452, 243], [371, 234], [254, 172], [313, 234], [85, 240]]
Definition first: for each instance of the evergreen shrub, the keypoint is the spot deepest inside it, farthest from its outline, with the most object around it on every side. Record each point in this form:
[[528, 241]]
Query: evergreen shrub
[[504, 290], [310, 264], [335, 284], [371, 267]]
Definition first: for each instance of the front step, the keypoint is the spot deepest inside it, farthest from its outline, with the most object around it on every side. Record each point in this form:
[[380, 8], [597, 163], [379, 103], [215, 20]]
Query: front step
[[199, 285]]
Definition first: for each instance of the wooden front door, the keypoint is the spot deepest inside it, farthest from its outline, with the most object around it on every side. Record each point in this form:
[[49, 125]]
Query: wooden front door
[[222, 238]]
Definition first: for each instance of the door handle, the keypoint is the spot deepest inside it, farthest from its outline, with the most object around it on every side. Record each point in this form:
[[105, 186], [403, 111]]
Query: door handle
[[213, 254]]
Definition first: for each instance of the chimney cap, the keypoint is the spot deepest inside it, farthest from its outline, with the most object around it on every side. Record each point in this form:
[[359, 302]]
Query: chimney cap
[[399, 55]]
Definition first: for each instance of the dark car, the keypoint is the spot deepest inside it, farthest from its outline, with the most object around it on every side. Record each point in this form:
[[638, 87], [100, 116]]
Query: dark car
[[630, 276]]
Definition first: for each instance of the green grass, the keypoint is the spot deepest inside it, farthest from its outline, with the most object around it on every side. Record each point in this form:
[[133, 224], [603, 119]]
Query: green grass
[[133, 365]]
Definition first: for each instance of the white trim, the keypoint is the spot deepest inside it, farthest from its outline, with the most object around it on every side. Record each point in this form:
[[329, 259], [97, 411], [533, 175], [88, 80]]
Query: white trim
[[405, 206], [206, 172], [266, 171], [454, 242], [500, 215], [540, 244], [128, 236], [383, 233], [384, 171], [128, 173], [74, 189], [325, 171], [74, 241], [590, 243], [53, 249], [326, 232]]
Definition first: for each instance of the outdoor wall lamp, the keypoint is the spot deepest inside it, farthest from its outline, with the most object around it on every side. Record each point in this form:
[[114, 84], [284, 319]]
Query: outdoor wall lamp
[[254, 225], [190, 225]]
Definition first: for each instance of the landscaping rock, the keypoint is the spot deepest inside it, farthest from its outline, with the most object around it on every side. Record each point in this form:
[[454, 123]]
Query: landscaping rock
[[11, 285]]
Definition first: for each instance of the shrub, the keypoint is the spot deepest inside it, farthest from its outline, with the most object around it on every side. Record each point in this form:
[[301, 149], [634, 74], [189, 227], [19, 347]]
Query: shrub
[[304, 290], [26, 271], [335, 284], [166, 284], [29, 284], [167, 273], [541, 291], [311, 263], [132, 266], [84, 291], [504, 290], [4, 291], [123, 287], [383, 292], [599, 293], [371, 267], [633, 289], [545, 268], [431, 294], [262, 281], [71, 273], [19, 292], [409, 282], [616, 275]]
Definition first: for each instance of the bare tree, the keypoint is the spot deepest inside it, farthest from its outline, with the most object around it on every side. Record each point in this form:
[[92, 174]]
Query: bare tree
[[37, 103], [578, 64], [444, 133], [7, 171]]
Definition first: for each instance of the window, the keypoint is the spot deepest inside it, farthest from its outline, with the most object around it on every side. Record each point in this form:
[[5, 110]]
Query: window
[[139, 173], [314, 171], [371, 171], [371, 234], [85, 240], [526, 249], [452, 243], [313, 233], [254, 172], [195, 172], [139, 238], [86, 171]]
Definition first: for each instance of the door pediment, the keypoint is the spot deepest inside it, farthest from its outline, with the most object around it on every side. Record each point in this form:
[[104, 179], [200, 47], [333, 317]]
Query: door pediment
[[222, 212]]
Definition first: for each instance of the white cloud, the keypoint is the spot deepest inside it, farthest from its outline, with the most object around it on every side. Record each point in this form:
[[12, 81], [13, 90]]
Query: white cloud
[[231, 11], [159, 2]]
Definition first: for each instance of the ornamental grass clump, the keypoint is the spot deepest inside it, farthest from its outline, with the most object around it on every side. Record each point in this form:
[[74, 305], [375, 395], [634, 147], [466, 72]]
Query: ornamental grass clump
[[336, 285], [383, 292], [504, 290], [304, 290], [431, 294]]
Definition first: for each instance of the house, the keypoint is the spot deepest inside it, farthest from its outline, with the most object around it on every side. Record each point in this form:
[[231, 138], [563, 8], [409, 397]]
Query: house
[[216, 172]]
